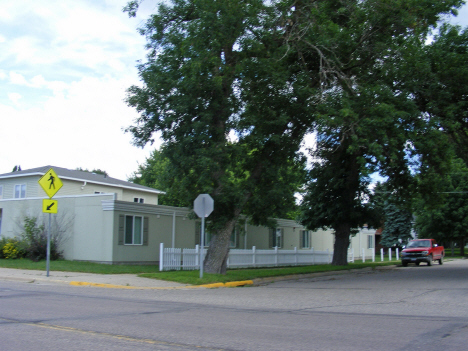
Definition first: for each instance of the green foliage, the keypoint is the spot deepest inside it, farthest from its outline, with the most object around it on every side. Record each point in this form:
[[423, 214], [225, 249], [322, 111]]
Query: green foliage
[[11, 248], [157, 172], [447, 220], [362, 56], [34, 241], [397, 226], [213, 88]]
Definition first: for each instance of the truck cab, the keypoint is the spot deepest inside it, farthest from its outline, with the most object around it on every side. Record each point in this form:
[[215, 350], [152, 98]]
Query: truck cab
[[422, 250]]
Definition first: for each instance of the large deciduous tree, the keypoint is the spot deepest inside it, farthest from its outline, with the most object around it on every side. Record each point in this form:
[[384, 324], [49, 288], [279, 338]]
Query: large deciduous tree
[[367, 119], [215, 86]]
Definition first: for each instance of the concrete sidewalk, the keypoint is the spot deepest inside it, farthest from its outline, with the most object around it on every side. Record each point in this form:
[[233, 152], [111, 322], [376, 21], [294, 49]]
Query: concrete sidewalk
[[87, 279], [116, 281]]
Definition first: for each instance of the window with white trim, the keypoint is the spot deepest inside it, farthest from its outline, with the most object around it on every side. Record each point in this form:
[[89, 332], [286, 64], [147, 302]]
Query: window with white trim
[[133, 230], [370, 241], [276, 237], [20, 191], [305, 239], [139, 200]]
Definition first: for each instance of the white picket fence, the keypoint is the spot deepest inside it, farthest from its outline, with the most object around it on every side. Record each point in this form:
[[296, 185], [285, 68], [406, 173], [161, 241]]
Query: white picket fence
[[187, 259]]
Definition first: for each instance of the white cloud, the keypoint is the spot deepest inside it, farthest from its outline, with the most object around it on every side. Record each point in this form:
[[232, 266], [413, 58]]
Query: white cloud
[[14, 97], [65, 68], [80, 128]]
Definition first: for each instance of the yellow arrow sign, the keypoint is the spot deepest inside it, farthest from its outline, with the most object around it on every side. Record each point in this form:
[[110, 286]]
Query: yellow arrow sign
[[49, 206], [50, 182]]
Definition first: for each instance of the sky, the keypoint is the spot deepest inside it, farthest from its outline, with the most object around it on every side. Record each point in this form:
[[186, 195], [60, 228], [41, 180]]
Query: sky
[[65, 67]]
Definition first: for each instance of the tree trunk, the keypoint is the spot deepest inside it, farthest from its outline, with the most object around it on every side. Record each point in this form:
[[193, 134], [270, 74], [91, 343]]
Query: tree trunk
[[340, 250], [216, 258]]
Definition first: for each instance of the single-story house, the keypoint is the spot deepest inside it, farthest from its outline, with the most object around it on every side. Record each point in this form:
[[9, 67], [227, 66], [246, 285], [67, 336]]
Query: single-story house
[[107, 220]]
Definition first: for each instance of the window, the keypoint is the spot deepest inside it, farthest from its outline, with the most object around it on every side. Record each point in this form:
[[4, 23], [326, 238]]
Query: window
[[305, 239], [20, 191], [133, 230], [139, 200], [276, 237], [233, 239], [370, 241]]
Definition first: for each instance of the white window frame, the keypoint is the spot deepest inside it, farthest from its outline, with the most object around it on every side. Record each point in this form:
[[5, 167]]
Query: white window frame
[[304, 244], [134, 234], [278, 237], [370, 241], [139, 200], [21, 192]]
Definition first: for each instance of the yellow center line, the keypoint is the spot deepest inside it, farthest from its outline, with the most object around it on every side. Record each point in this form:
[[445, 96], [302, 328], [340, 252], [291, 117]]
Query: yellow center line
[[110, 335]]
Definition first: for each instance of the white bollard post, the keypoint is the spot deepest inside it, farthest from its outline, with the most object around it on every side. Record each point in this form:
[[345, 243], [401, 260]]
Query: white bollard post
[[373, 254], [390, 254], [161, 257], [253, 255], [397, 252], [363, 256], [381, 254]]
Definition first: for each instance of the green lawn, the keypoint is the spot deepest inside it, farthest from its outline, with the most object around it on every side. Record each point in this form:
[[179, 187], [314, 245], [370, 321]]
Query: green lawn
[[185, 277]]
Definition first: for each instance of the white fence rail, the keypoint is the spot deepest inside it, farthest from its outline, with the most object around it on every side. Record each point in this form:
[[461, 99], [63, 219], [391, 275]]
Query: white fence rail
[[188, 259]]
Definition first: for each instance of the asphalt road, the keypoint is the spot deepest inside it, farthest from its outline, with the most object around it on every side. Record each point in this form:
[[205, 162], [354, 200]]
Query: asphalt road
[[412, 308]]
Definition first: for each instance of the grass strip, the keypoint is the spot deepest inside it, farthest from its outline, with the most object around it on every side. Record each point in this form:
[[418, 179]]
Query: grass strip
[[184, 277]]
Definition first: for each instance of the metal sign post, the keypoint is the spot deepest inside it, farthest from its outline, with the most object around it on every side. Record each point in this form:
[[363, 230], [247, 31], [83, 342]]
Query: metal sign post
[[51, 183], [203, 206]]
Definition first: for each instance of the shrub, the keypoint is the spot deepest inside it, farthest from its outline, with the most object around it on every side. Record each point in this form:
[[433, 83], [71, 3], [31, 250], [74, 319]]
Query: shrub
[[3, 241], [34, 239], [12, 248]]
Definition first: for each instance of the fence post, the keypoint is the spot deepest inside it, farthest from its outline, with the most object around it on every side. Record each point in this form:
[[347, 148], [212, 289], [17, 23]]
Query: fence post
[[381, 254], [397, 252], [276, 255], [253, 255], [363, 255], [373, 254], [390, 254], [161, 257], [197, 256]]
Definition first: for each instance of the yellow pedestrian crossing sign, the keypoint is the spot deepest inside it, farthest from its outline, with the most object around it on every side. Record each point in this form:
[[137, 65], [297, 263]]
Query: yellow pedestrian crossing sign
[[49, 206], [50, 182]]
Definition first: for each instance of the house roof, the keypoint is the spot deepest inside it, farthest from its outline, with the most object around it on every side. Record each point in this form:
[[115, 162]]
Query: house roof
[[83, 176]]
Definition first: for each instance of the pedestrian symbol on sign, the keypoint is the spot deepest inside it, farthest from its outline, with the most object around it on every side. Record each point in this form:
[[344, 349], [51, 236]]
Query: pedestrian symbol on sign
[[51, 179]]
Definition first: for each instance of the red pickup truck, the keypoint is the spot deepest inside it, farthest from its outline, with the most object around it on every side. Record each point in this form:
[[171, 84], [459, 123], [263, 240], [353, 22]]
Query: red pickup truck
[[422, 250]]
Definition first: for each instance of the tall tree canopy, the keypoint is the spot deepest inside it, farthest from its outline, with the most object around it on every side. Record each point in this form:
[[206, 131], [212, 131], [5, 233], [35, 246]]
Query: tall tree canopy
[[226, 132], [233, 86], [367, 119]]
